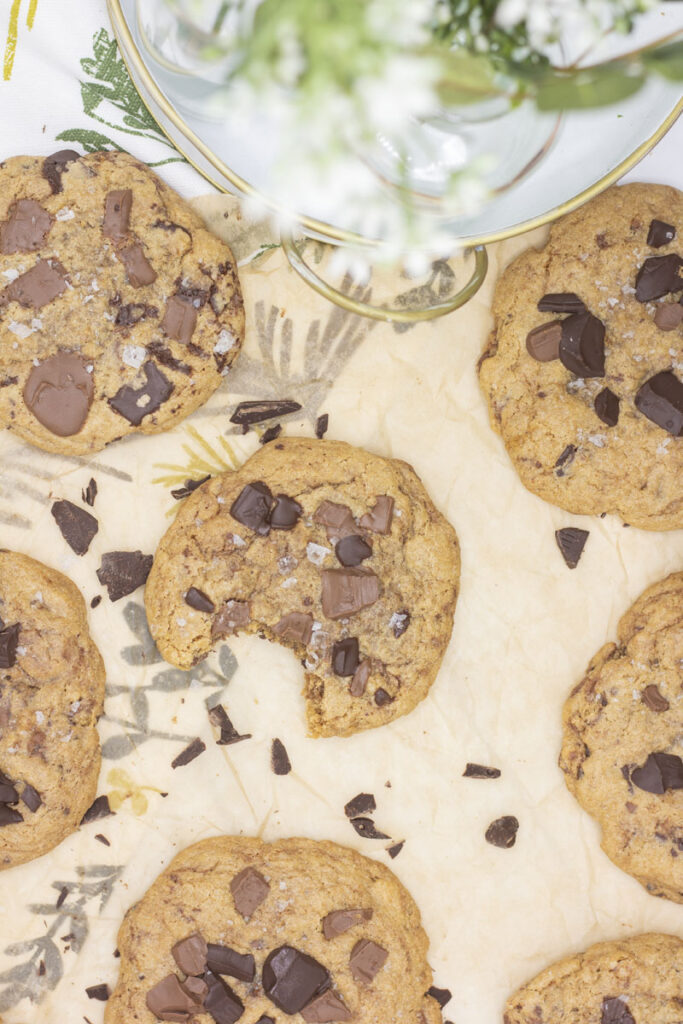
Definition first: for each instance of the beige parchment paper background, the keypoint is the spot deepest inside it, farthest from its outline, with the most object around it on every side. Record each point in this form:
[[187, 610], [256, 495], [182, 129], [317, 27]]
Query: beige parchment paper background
[[525, 628]]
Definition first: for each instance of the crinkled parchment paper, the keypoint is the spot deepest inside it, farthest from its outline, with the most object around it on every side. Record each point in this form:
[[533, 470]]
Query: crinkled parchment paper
[[525, 628]]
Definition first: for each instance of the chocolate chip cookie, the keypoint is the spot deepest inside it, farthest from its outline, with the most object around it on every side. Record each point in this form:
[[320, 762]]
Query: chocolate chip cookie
[[329, 550], [51, 693], [631, 981], [623, 741], [238, 929], [119, 311], [584, 369]]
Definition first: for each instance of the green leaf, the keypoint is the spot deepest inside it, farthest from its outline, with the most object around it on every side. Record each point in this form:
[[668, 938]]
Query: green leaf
[[90, 141], [467, 79], [666, 61], [584, 89]]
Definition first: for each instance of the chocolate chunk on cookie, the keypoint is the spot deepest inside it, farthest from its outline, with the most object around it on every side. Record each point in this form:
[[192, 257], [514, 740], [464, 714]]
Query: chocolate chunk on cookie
[[603, 384], [52, 678], [622, 751], [109, 323], [628, 981], [277, 552], [336, 938]]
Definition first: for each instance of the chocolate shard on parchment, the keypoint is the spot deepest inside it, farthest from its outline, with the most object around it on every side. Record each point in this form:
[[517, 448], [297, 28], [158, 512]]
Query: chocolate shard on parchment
[[76, 526]]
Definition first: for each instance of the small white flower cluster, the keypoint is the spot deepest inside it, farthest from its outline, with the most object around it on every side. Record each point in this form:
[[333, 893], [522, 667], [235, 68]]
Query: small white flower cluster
[[582, 21]]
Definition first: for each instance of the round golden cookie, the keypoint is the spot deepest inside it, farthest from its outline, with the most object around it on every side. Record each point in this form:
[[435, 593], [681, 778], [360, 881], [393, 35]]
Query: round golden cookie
[[295, 929], [557, 422], [623, 741], [327, 549], [51, 694], [628, 981], [119, 311]]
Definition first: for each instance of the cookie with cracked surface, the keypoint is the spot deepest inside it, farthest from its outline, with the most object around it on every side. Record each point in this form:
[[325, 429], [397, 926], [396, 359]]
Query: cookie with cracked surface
[[240, 929], [119, 311], [332, 551], [51, 694], [637, 980], [583, 371], [623, 742]]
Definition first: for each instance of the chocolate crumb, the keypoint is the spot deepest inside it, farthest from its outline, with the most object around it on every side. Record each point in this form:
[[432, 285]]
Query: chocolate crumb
[[190, 752], [502, 832], [364, 803], [247, 413], [100, 992], [571, 542], [480, 771], [96, 600], [98, 809], [382, 698], [89, 493], [76, 526], [102, 839], [442, 995], [122, 572], [188, 487], [365, 827], [218, 717], [279, 759], [394, 850], [321, 425], [270, 434]]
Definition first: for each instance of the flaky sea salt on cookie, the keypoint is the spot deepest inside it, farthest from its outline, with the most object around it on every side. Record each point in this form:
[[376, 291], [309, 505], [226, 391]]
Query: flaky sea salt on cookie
[[119, 311], [583, 372], [334, 552], [236, 929]]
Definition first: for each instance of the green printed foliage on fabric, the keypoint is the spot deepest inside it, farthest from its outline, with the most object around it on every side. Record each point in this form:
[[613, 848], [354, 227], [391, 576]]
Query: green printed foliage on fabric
[[110, 97]]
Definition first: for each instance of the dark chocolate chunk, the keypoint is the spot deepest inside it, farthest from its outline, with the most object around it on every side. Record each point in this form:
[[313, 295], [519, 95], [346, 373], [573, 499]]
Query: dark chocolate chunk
[[291, 979], [345, 658], [382, 697], [265, 1020], [616, 1011], [38, 286], [571, 542], [233, 615], [191, 751], [360, 678], [364, 803], [394, 850], [198, 600], [188, 487], [122, 572], [224, 960], [139, 270], [658, 276], [367, 958], [249, 889], [352, 550], [218, 717], [26, 228], [98, 809], [59, 393], [442, 995], [117, 207], [279, 759], [256, 412], [31, 797], [102, 839], [55, 165], [347, 591], [90, 493], [180, 319], [668, 316], [582, 346], [660, 234], [286, 513], [252, 507], [269, 435], [196, 988], [9, 641], [133, 313], [654, 700], [565, 459], [76, 526], [325, 1008], [339, 921], [399, 622], [606, 407], [561, 302], [365, 827], [480, 771], [96, 600], [168, 1000], [197, 296], [8, 791], [321, 425], [163, 355], [502, 832], [661, 399], [660, 772], [9, 816], [191, 954], [297, 626], [100, 992], [378, 520], [337, 520], [543, 342], [136, 403]]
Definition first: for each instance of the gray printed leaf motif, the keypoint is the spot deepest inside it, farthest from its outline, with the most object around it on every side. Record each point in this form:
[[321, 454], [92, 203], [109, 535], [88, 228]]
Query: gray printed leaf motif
[[41, 967]]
